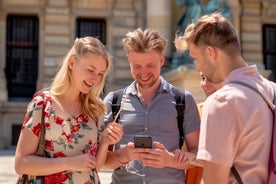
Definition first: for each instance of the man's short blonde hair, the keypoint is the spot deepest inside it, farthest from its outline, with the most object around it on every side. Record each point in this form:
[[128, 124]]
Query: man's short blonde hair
[[210, 30], [144, 41]]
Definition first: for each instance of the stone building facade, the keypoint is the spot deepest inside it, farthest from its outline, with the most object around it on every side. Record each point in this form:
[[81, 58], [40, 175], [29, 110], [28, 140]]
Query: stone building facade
[[52, 25]]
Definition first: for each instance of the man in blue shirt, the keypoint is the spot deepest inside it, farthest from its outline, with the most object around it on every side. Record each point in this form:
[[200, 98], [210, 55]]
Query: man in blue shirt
[[149, 109]]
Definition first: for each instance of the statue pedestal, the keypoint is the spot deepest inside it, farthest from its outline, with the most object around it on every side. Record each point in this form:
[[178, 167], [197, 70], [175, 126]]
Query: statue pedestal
[[186, 77]]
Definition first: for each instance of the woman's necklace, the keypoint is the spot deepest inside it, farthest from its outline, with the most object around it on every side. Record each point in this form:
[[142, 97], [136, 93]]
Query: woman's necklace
[[66, 110]]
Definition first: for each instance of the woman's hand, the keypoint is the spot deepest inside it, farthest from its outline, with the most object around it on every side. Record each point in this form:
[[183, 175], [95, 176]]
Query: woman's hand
[[83, 162], [112, 133]]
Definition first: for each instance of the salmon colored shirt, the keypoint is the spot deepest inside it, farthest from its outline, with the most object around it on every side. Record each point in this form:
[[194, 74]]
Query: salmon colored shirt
[[236, 126]]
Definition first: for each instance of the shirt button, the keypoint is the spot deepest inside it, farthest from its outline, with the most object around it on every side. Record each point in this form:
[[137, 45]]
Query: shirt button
[[146, 129]]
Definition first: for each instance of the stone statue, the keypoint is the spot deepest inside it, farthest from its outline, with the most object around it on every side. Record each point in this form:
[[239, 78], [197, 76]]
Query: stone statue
[[192, 13], [222, 6], [194, 9]]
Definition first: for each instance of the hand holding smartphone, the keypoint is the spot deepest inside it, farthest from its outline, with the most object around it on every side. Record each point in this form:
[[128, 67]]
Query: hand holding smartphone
[[142, 141]]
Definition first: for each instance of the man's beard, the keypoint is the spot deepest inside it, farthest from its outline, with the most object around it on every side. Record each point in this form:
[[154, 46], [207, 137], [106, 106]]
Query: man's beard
[[148, 84]]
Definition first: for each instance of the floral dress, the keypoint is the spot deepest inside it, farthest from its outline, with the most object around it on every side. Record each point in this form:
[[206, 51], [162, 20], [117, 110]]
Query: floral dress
[[64, 136]]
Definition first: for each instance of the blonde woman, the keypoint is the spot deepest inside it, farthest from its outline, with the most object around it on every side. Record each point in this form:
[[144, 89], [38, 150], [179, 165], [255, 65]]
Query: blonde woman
[[75, 141]]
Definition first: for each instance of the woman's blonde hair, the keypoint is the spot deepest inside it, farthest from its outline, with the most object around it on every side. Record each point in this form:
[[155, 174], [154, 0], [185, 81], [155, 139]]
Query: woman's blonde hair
[[92, 105]]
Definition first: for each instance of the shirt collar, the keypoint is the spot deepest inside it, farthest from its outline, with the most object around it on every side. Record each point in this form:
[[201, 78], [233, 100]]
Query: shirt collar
[[239, 72]]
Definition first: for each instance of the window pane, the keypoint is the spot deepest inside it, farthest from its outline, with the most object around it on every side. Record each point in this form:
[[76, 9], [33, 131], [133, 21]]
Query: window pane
[[22, 56], [91, 27], [269, 46]]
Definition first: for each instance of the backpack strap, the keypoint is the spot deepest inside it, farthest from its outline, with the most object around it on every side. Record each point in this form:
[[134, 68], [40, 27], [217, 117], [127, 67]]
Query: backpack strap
[[236, 174], [116, 103], [180, 108], [179, 105], [272, 162], [272, 108], [41, 145], [269, 103]]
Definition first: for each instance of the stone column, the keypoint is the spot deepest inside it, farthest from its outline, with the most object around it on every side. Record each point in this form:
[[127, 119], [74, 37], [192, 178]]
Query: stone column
[[159, 17], [236, 14], [3, 84]]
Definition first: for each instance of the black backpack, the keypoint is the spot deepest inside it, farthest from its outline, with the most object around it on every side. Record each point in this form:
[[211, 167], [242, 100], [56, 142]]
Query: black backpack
[[179, 105]]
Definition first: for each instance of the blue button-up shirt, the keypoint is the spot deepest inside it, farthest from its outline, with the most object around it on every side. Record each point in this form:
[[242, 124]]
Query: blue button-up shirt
[[157, 119]]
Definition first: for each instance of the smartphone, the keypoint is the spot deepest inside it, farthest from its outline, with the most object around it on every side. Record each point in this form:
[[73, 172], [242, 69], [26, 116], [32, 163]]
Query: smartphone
[[142, 141]]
